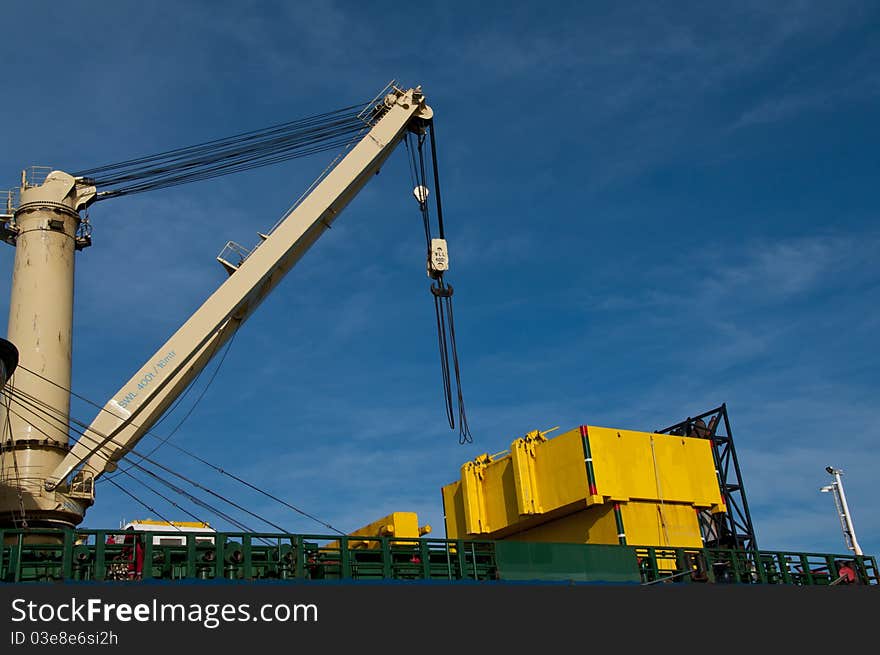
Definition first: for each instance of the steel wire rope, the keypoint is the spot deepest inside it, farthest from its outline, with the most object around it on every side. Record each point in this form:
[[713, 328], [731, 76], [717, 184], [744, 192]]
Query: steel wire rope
[[181, 179], [190, 454], [178, 448], [417, 175], [207, 144], [14, 413], [7, 428], [237, 153], [164, 440], [464, 431], [182, 492], [244, 155], [442, 291], [162, 496], [212, 493], [167, 180], [141, 502], [214, 151], [198, 501], [418, 180], [252, 153], [418, 170], [34, 408], [436, 174], [227, 517]]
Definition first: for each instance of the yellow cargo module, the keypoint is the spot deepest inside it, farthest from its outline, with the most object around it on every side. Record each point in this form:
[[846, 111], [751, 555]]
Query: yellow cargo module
[[403, 525], [589, 485]]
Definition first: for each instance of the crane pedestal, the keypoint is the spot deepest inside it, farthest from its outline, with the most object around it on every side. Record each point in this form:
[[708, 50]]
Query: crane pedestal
[[35, 421]]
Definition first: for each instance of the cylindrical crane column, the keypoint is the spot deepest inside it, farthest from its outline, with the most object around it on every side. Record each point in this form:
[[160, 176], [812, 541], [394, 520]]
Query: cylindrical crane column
[[35, 419]]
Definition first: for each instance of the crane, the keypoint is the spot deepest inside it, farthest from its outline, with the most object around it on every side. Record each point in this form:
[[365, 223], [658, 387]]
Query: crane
[[46, 229]]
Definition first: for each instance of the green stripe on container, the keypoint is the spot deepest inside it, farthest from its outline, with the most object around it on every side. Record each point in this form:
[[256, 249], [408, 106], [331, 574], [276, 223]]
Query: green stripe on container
[[588, 461], [618, 518]]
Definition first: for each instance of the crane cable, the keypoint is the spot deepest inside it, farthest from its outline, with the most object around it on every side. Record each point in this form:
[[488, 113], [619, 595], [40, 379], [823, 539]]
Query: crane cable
[[7, 429], [162, 496], [241, 152], [164, 440], [464, 428], [142, 503], [179, 449], [441, 290], [35, 409], [33, 406]]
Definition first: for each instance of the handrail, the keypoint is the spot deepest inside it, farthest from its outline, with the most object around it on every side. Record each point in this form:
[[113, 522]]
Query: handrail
[[88, 554]]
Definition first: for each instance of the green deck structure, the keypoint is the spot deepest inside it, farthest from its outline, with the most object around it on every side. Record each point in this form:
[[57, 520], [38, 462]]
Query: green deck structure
[[47, 556]]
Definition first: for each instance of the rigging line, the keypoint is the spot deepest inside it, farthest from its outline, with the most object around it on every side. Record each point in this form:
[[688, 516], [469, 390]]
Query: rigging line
[[176, 447], [438, 312], [155, 463], [416, 182], [107, 438], [409, 160], [228, 143], [276, 499], [446, 335], [48, 413], [264, 141], [182, 477], [166, 181], [423, 180], [464, 431], [198, 501], [8, 430], [444, 360], [243, 135], [223, 163], [443, 299], [163, 497], [426, 218], [213, 493], [182, 492], [22, 397], [140, 502], [176, 488], [165, 439], [170, 179], [242, 154], [180, 398], [436, 183], [82, 434]]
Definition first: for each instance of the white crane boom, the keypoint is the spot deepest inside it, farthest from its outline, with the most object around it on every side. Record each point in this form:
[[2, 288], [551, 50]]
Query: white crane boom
[[141, 401]]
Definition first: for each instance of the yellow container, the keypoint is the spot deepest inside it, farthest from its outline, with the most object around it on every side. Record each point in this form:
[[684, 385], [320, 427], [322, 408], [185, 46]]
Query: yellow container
[[402, 525], [588, 485]]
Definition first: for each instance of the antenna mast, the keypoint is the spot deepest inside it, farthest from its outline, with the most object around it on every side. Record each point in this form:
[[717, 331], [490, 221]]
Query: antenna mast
[[846, 523]]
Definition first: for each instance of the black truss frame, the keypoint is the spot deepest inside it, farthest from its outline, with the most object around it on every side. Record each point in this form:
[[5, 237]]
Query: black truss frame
[[733, 528]]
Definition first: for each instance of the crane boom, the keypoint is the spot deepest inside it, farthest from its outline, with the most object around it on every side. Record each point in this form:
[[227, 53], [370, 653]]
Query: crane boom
[[141, 401]]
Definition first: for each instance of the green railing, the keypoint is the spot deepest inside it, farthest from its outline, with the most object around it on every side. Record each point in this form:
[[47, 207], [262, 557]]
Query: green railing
[[99, 555], [754, 567], [85, 555]]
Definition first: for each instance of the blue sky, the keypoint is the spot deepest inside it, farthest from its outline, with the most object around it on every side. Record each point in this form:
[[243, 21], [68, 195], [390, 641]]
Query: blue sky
[[650, 211]]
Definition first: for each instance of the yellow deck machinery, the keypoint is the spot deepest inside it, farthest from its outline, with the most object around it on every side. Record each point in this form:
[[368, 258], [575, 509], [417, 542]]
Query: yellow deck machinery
[[591, 485]]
